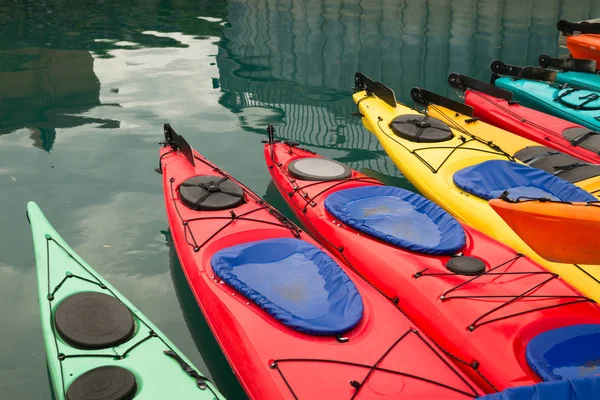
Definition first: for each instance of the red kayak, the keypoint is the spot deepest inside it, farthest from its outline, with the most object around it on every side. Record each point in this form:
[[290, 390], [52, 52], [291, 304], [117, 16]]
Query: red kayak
[[292, 320], [497, 108], [487, 306]]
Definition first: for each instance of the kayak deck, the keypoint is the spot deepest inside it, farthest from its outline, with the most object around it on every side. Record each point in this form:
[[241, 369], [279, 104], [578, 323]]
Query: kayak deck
[[534, 125], [438, 184], [503, 306], [383, 355], [90, 328]]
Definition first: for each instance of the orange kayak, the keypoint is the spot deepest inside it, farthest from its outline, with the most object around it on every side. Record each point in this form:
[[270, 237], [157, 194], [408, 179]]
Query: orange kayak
[[583, 39], [584, 46], [559, 232]]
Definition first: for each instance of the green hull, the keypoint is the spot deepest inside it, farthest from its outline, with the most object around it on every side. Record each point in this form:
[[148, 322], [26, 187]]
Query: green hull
[[62, 273]]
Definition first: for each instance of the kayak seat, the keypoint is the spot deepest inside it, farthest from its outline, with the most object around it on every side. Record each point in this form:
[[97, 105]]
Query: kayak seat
[[583, 137], [558, 164], [491, 179], [420, 128], [318, 169], [211, 193], [571, 389], [398, 217], [565, 353], [293, 281]]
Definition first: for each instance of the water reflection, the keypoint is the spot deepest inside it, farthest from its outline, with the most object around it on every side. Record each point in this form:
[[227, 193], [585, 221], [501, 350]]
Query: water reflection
[[44, 89], [94, 81], [220, 371], [321, 43], [292, 63], [49, 50]]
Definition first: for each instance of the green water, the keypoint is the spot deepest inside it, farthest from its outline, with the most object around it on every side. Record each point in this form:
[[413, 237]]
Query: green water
[[85, 89]]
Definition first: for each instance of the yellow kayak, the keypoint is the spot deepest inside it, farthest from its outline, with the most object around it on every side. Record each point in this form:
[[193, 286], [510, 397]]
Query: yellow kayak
[[430, 152], [574, 170]]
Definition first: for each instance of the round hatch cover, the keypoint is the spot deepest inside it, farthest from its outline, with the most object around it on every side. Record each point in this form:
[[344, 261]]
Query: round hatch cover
[[92, 320], [421, 128], [103, 383], [319, 169], [211, 193], [466, 265]]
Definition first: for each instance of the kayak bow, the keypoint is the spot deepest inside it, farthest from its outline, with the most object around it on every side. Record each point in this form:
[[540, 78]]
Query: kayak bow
[[292, 320], [98, 344]]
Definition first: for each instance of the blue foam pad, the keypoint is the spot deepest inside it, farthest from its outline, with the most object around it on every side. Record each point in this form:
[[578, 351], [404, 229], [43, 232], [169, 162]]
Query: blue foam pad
[[399, 217], [489, 179], [566, 352], [571, 389], [293, 281]]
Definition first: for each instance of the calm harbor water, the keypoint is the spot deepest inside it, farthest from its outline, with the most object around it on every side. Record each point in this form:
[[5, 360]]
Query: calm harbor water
[[85, 89]]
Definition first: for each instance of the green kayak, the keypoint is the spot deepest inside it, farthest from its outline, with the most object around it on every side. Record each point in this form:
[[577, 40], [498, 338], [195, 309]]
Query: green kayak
[[98, 345]]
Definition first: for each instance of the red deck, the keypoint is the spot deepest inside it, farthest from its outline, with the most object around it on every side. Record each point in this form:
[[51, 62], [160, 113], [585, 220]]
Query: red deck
[[385, 355], [531, 124], [484, 321]]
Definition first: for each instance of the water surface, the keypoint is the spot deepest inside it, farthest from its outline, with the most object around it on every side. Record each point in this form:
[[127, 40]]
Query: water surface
[[85, 89]]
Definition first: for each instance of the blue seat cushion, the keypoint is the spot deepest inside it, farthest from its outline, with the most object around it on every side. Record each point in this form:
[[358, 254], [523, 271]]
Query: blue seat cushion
[[570, 389], [294, 282], [399, 217], [566, 352], [490, 179]]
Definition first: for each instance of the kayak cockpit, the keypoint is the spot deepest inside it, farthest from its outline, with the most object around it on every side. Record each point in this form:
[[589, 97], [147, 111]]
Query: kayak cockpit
[[398, 217], [498, 178], [566, 358], [566, 352], [293, 281], [572, 389]]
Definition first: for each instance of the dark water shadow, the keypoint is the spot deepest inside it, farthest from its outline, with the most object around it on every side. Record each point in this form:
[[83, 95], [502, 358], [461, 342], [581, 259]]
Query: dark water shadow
[[274, 198], [206, 343]]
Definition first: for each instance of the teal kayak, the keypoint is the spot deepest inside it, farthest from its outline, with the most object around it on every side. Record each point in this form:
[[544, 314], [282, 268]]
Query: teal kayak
[[581, 106], [583, 80], [574, 72], [99, 346]]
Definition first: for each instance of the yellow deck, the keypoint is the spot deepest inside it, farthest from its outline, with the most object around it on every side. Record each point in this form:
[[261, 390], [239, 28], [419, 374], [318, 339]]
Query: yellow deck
[[431, 166]]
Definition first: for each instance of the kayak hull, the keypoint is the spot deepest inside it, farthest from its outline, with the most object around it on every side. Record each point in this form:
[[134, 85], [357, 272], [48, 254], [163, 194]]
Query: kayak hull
[[585, 46], [402, 275], [439, 186], [531, 124], [61, 275], [512, 145], [583, 80], [559, 232], [541, 96], [271, 360]]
